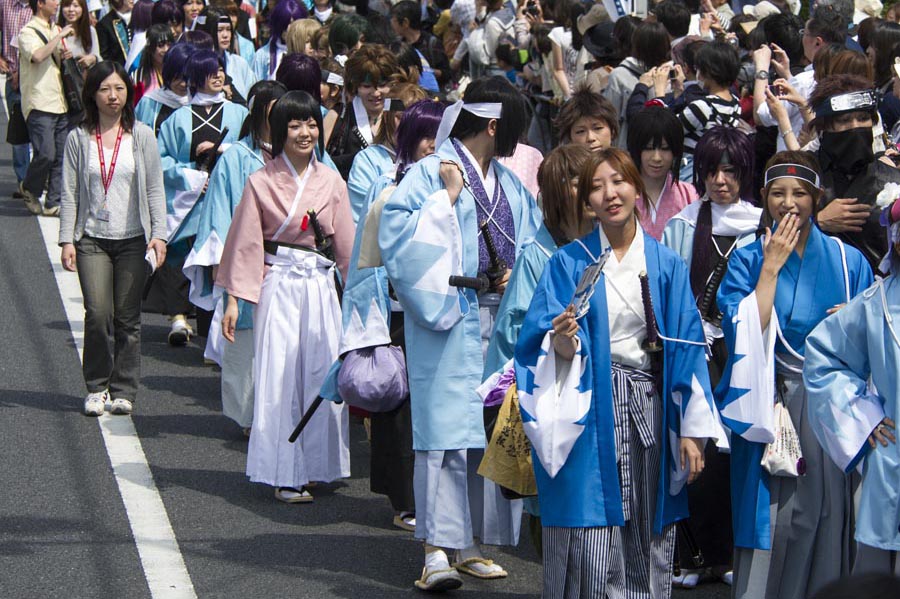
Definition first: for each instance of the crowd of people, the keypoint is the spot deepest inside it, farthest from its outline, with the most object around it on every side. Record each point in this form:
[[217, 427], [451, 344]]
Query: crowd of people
[[658, 236]]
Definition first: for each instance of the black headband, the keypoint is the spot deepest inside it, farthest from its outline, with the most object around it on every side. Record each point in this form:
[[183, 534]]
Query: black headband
[[793, 171]]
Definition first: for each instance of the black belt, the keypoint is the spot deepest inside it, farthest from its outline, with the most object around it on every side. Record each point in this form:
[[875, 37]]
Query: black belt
[[271, 247]]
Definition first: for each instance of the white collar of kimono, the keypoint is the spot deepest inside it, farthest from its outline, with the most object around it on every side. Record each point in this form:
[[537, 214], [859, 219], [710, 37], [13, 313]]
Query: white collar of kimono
[[489, 181], [732, 220], [486, 110], [201, 99], [168, 98], [301, 185], [323, 15], [362, 119], [633, 258]]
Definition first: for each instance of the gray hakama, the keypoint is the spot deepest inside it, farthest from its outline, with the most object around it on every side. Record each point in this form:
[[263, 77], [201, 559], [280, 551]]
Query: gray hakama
[[811, 515], [237, 378], [620, 561]]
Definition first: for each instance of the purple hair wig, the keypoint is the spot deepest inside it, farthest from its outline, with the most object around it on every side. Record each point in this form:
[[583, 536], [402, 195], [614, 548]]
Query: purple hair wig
[[141, 18], [166, 12], [284, 13], [419, 121], [713, 146], [301, 72], [202, 65], [199, 39], [175, 62]]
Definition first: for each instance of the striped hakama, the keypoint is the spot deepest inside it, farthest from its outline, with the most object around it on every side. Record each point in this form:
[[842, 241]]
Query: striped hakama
[[628, 561]]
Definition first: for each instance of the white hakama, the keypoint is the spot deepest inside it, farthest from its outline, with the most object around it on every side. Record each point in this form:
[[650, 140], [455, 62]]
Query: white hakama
[[296, 325]]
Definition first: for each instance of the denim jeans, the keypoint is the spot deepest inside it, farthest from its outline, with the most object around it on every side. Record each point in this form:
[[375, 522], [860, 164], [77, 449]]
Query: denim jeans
[[112, 273], [21, 153], [48, 133]]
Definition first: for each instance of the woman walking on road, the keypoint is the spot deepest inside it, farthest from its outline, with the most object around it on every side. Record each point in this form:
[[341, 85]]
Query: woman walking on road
[[112, 224]]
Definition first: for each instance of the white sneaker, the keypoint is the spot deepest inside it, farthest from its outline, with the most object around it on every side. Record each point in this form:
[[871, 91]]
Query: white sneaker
[[181, 331], [95, 403], [121, 407]]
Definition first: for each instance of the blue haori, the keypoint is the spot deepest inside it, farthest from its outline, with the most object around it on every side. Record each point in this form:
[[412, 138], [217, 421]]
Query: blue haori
[[495, 212]]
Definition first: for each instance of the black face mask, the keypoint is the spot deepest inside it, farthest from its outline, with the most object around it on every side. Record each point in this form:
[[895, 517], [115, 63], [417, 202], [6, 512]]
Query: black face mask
[[850, 151]]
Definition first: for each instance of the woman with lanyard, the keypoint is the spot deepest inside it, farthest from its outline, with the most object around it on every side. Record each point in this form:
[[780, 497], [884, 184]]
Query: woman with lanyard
[[430, 231], [380, 157], [148, 74], [790, 531], [706, 234], [112, 225], [366, 75], [270, 260], [226, 184], [627, 368], [238, 75], [185, 140], [158, 105], [267, 58], [367, 292]]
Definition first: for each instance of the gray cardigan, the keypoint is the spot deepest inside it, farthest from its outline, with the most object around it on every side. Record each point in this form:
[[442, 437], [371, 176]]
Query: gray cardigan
[[147, 191]]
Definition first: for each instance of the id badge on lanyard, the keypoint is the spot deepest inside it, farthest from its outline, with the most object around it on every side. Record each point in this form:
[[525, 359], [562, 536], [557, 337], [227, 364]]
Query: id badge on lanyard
[[102, 213]]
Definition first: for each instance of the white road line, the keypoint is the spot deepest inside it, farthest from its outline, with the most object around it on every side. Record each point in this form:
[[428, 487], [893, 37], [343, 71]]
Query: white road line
[[157, 546]]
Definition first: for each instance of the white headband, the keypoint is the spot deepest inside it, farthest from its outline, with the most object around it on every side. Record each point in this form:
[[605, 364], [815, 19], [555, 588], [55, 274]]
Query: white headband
[[333, 78], [486, 110]]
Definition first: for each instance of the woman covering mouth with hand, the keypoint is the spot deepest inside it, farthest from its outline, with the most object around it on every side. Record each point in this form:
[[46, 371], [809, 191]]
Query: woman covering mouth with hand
[[776, 291]]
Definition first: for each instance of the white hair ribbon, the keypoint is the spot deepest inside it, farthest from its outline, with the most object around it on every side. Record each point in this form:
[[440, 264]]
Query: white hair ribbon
[[485, 110]]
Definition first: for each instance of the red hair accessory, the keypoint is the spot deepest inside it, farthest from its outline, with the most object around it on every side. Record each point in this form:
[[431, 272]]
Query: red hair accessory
[[654, 102]]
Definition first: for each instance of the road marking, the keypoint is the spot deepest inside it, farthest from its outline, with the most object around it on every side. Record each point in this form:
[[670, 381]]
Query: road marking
[[157, 546]]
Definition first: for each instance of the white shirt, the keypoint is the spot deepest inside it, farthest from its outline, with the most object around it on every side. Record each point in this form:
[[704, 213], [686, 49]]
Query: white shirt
[[804, 82], [627, 325]]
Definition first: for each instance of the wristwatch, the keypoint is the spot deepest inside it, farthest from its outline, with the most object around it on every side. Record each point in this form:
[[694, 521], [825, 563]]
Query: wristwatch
[[763, 75]]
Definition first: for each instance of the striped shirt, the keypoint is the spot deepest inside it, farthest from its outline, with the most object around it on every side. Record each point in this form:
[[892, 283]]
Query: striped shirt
[[701, 115], [14, 14]]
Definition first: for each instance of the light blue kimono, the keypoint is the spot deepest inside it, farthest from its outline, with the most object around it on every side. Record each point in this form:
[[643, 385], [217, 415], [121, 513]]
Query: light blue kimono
[[586, 491], [841, 354], [242, 76], [245, 48], [260, 63], [226, 186], [147, 110], [371, 163], [175, 148], [424, 240], [679, 232], [366, 302], [523, 281], [806, 289]]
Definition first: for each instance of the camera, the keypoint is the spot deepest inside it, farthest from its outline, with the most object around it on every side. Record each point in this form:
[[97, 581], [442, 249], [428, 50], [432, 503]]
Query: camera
[[532, 8]]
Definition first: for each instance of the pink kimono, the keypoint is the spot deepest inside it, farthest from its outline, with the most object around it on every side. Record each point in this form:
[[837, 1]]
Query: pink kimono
[[297, 320], [674, 197]]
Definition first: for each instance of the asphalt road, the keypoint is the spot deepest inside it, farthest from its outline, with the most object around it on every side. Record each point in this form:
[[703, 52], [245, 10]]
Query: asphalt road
[[64, 531]]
